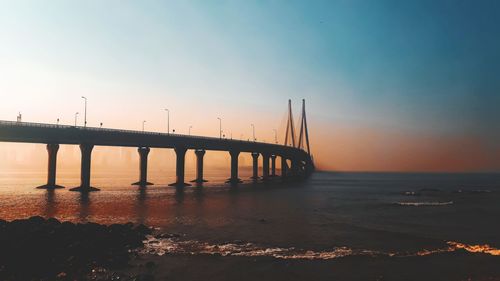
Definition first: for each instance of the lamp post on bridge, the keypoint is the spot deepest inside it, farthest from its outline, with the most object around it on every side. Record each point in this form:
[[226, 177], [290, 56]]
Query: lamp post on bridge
[[275, 136], [190, 129], [168, 120], [85, 115], [143, 122], [253, 131], [76, 117], [220, 127]]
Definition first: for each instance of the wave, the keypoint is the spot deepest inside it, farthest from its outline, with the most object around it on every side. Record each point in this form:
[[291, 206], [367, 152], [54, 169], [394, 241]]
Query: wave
[[172, 246], [485, 249], [430, 190], [473, 191], [416, 204], [411, 193], [163, 246]]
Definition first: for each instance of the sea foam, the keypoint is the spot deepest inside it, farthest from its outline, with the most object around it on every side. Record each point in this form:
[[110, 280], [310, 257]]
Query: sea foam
[[175, 246]]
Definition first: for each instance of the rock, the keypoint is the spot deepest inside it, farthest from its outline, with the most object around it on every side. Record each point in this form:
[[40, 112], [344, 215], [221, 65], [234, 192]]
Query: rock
[[143, 229], [53, 221], [36, 219], [63, 249]]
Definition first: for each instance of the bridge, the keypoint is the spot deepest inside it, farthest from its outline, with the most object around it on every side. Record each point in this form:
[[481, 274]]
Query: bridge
[[296, 162]]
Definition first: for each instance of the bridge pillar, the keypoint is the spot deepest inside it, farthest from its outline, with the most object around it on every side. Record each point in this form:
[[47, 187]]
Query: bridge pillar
[[52, 149], [234, 167], [273, 165], [255, 156], [180, 152], [295, 167], [143, 166], [199, 166], [86, 150], [265, 166], [284, 167]]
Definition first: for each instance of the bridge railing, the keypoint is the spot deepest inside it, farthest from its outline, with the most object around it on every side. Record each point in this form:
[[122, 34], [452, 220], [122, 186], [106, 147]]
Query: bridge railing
[[57, 126]]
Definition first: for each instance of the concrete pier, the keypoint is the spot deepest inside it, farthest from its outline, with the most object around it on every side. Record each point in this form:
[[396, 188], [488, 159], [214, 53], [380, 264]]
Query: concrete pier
[[284, 168], [180, 152], [86, 150], [143, 167], [52, 149], [265, 166], [200, 153], [234, 167], [255, 161], [273, 165], [295, 167]]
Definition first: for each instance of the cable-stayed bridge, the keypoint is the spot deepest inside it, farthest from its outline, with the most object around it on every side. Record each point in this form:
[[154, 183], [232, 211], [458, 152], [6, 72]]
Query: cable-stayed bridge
[[296, 160]]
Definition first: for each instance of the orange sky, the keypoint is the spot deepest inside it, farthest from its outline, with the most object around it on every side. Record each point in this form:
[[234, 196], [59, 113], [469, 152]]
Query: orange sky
[[404, 93], [338, 148], [351, 149]]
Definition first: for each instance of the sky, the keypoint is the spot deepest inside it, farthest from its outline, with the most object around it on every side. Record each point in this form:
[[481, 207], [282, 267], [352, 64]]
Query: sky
[[389, 85]]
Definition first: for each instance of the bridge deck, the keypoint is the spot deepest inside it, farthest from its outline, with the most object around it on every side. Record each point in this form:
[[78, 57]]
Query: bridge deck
[[26, 132]]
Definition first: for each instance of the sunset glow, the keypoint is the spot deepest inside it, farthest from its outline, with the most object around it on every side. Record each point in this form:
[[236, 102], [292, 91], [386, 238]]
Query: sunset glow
[[374, 101]]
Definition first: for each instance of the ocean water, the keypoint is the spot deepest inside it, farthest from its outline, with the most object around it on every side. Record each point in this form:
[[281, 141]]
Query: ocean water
[[330, 216]]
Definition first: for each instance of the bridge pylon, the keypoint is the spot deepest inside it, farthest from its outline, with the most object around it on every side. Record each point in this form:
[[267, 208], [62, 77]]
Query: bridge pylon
[[290, 128], [304, 134]]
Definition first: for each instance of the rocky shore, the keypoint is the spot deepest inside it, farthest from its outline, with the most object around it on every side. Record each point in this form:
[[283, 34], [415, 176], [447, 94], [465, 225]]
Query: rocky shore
[[47, 249]]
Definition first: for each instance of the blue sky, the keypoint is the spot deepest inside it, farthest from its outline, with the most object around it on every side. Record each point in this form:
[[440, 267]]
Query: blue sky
[[418, 67]]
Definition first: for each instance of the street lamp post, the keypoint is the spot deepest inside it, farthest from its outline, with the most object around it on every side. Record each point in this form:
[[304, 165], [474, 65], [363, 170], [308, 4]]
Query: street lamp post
[[85, 115], [76, 117], [143, 122], [275, 136], [220, 127], [168, 120], [190, 129], [253, 131]]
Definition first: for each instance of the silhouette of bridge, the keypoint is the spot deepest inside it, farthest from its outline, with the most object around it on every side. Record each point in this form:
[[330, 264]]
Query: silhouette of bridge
[[296, 163]]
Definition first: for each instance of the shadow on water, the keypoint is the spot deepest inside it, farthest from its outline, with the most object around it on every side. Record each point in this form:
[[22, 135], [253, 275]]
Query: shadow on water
[[141, 206], [50, 206], [179, 195], [199, 194], [84, 206]]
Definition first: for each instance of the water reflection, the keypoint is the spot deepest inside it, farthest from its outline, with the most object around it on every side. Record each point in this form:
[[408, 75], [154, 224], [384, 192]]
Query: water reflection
[[199, 194], [141, 206], [84, 206], [327, 211], [50, 205], [179, 195]]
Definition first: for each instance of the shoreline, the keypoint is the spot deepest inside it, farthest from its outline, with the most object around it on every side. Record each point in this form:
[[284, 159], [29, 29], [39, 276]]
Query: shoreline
[[47, 249]]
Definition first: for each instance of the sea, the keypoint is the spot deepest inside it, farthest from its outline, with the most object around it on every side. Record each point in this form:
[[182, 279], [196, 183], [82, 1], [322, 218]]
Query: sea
[[332, 226]]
